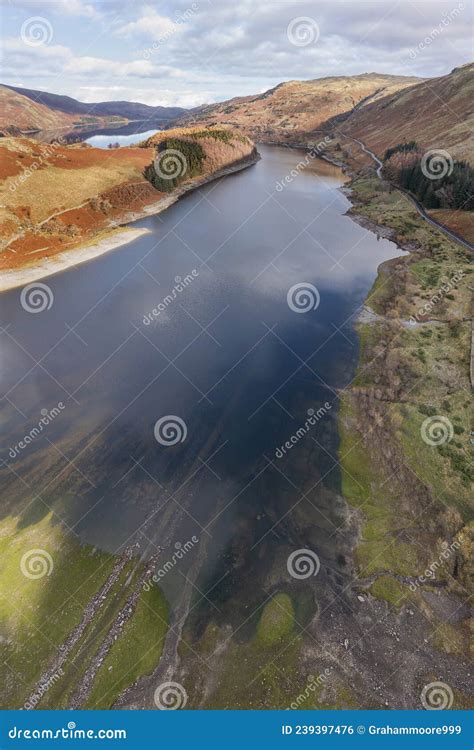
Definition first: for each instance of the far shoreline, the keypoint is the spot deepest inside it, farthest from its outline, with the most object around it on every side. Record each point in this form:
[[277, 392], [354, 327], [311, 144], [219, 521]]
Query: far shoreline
[[94, 248]]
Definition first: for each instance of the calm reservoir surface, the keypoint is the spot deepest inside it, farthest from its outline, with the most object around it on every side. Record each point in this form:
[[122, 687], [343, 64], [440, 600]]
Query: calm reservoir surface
[[226, 357]]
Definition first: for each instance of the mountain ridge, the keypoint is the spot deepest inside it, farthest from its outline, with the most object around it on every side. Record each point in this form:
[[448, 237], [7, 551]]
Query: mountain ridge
[[297, 106], [66, 107], [437, 113], [380, 109]]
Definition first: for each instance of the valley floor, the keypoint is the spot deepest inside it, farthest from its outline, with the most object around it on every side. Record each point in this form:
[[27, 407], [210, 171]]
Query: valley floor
[[406, 457]]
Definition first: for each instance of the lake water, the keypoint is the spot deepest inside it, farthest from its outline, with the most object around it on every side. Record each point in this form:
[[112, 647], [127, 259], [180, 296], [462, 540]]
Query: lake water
[[124, 135], [228, 356], [111, 137]]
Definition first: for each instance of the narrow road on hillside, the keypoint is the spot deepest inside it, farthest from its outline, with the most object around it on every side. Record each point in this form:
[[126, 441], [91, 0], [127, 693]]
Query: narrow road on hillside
[[421, 210], [370, 153]]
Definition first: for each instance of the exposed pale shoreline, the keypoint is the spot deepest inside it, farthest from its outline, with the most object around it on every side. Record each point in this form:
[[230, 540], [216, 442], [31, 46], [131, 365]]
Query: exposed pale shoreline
[[46, 267], [67, 259]]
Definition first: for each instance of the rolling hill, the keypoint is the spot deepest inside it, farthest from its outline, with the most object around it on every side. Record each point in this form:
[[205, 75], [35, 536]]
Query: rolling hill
[[17, 112], [129, 110], [298, 107], [56, 196], [437, 113]]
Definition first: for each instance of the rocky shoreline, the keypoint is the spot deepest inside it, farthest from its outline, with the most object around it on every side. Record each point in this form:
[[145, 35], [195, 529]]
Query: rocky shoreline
[[91, 610], [401, 378], [126, 613]]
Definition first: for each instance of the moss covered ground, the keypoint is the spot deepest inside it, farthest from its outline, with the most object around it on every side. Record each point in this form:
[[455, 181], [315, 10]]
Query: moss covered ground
[[420, 372], [37, 615]]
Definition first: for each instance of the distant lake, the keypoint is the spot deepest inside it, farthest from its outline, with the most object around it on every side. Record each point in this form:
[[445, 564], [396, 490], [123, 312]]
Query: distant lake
[[103, 141], [125, 135]]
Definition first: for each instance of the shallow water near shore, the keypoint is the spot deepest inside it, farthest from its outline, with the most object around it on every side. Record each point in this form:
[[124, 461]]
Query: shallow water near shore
[[199, 321]]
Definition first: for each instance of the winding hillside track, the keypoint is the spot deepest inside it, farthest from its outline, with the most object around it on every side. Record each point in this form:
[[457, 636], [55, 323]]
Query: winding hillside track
[[415, 203], [370, 153], [448, 232]]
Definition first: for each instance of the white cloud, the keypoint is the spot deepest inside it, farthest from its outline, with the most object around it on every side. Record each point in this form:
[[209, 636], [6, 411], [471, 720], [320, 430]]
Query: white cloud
[[192, 52], [71, 7], [41, 52], [162, 97], [98, 66], [76, 7], [56, 59], [150, 25]]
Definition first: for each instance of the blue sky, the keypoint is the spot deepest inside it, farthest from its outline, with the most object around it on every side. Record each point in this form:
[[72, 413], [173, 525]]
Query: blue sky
[[188, 53]]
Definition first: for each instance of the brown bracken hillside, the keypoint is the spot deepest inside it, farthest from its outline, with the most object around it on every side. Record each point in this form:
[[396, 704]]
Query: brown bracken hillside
[[298, 107], [54, 197], [19, 112], [437, 113]]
